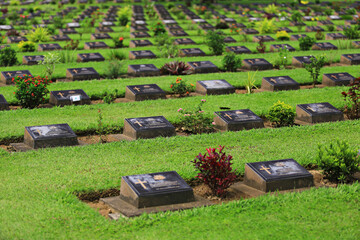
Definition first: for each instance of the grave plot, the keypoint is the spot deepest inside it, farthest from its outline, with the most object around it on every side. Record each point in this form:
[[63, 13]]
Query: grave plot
[[44, 136], [286, 29], [334, 36], [297, 37], [69, 97], [276, 47], [276, 175], [191, 52], [16, 39], [67, 31], [77, 74], [350, 59], [250, 31], [317, 113], [337, 79], [214, 87], [98, 36], [178, 33], [3, 103], [141, 54], [32, 60], [59, 38], [104, 30], [49, 47], [139, 43], [356, 44], [144, 92], [139, 35], [324, 46], [301, 60], [279, 83], [7, 76], [237, 120], [203, 67], [95, 45], [238, 49], [153, 192], [229, 40], [256, 64], [143, 70], [264, 38], [148, 127], [314, 29], [90, 57]]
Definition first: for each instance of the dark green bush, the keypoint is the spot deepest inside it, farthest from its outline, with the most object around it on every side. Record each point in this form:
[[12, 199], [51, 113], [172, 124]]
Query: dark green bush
[[281, 115], [215, 42], [231, 62], [352, 33], [7, 57], [305, 43]]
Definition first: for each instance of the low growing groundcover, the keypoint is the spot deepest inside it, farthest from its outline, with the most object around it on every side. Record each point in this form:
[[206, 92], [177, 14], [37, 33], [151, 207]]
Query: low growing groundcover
[[37, 189]]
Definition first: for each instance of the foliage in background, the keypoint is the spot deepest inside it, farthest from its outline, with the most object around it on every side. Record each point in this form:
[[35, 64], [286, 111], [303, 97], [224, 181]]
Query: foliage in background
[[250, 82], [67, 56], [72, 44], [181, 87], [282, 35], [305, 43], [49, 63], [109, 97], [319, 35], [39, 34], [114, 54], [231, 62], [352, 33], [215, 42], [27, 46], [8, 57], [352, 100], [158, 28], [261, 47], [124, 14], [314, 68], [266, 26], [176, 68], [281, 61], [281, 115], [118, 42], [114, 70]]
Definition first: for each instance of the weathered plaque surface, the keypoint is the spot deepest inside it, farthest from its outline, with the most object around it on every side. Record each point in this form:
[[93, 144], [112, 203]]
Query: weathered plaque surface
[[148, 127], [96, 36], [103, 30], [237, 120], [82, 73], [351, 59], [238, 49], [7, 76], [49, 47], [178, 33], [95, 45], [334, 36], [264, 38], [257, 64], [32, 60], [314, 29], [299, 61], [139, 35], [203, 67], [144, 92], [337, 79], [276, 47], [141, 54], [143, 70], [229, 40], [297, 37], [50, 136], [191, 52], [139, 43], [61, 38], [3, 103], [183, 41], [16, 39], [214, 87], [324, 46], [275, 175], [286, 29], [155, 189], [90, 57], [279, 83], [67, 31], [69, 97], [318, 112]]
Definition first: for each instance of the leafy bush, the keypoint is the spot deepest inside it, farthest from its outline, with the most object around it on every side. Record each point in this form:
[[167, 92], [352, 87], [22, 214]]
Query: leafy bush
[[215, 170], [118, 42], [221, 25], [30, 91], [181, 87], [352, 100], [158, 28], [39, 34], [58, 22], [67, 56], [231, 62], [330, 28], [296, 17], [195, 121], [282, 59], [114, 70], [282, 35], [215, 42], [114, 54], [266, 26], [27, 46], [49, 63], [176, 68], [162, 39], [352, 33], [338, 161], [7, 57], [72, 45], [314, 68], [305, 43], [110, 97], [124, 15], [271, 9], [281, 115], [319, 35], [261, 47]]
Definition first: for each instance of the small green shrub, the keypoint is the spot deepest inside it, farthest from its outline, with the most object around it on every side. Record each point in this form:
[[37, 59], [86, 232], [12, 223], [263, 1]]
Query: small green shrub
[[221, 25], [181, 87], [215, 42], [49, 63], [110, 97], [72, 44], [305, 43], [281, 115], [114, 70], [314, 68], [176, 68], [338, 161], [118, 42], [282, 35], [27, 46], [67, 56], [319, 35], [124, 15], [158, 28], [352, 33], [8, 57], [250, 82], [282, 59], [39, 34], [266, 26], [116, 55], [231, 62]]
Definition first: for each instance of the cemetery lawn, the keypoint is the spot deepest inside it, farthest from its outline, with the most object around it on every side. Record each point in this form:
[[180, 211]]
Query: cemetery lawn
[[37, 189]]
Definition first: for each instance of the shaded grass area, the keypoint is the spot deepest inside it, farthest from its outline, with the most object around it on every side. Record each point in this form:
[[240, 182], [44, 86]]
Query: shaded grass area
[[85, 118], [39, 187]]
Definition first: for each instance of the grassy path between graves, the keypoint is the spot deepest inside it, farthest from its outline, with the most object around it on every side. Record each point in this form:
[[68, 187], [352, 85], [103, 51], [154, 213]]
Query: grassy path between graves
[[37, 201], [85, 118]]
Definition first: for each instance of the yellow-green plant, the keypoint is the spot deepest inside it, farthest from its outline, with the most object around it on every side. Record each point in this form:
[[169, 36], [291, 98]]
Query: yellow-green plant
[[266, 26], [250, 82], [39, 34], [271, 9], [282, 35], [27, 46], [124, 15], [281, 115]]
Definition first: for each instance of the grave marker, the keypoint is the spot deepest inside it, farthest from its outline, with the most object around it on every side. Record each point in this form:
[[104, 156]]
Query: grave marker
[[32, 60], [279, 83], [97, 36], [191, 52], [257, 64], [229, 40], [69, 97], [203, 67], [90, 57], [67, 31], [143, 70], [318, 112], [314, 29], [82, 73], [265, 38], [238, 49], [183, 41], [144, 92], [337, 79], [95, 45], [3, 103], [276, 47], [351, 59], [16, 39], [103, 30], [7, 76], [214, 87], [250, 31], [334, 36], [178, 33], [237, 120], [297, 37], [139, 35], [60, 38], [141, 54], [324, 46], [139, 43], [300, 60], [49, 47]]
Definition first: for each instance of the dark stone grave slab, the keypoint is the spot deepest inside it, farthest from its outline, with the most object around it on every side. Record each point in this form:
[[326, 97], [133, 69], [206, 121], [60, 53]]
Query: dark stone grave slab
[[325, 22], [351, 59], [276, 47], [203, 67], [250, 31], [279, 83], [229, 40], [214, 87], [265, 38], [67, 31], [257, 64], [143, 70], [297, 24], [324, 46], [237, 120], [238, 49], [97, 36], [144, 92], [183, 41], [16, 39], [60, 38], [300, 60], [57, 135], [69, 97], [106, 24], [342, 27], [95, 45], [139, 28], [141, 54], [337, 79], [7, 76], [206, 26], [335, 36], [32, 60], [73, 25], [49, 47], [3, 103], [191, 52], [139, 35], [90, 57], [103, 30], [314, 29], [356, 44], [334, 17], [178, 33], [276, 175], [318, 112], [148, 127], [297, 37], [286, 29], [173, 27], [139, 43], [85, 73]]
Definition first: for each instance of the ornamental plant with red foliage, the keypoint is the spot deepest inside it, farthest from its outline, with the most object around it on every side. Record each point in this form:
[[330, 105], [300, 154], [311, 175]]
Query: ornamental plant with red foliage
[[176, 68], [352, 99], [215, 170], [30, 91]]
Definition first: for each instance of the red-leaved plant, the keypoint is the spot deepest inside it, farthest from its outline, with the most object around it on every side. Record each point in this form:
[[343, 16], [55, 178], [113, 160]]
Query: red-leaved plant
[[30, 91], [176, 68], [352, 99], [215, 170]]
